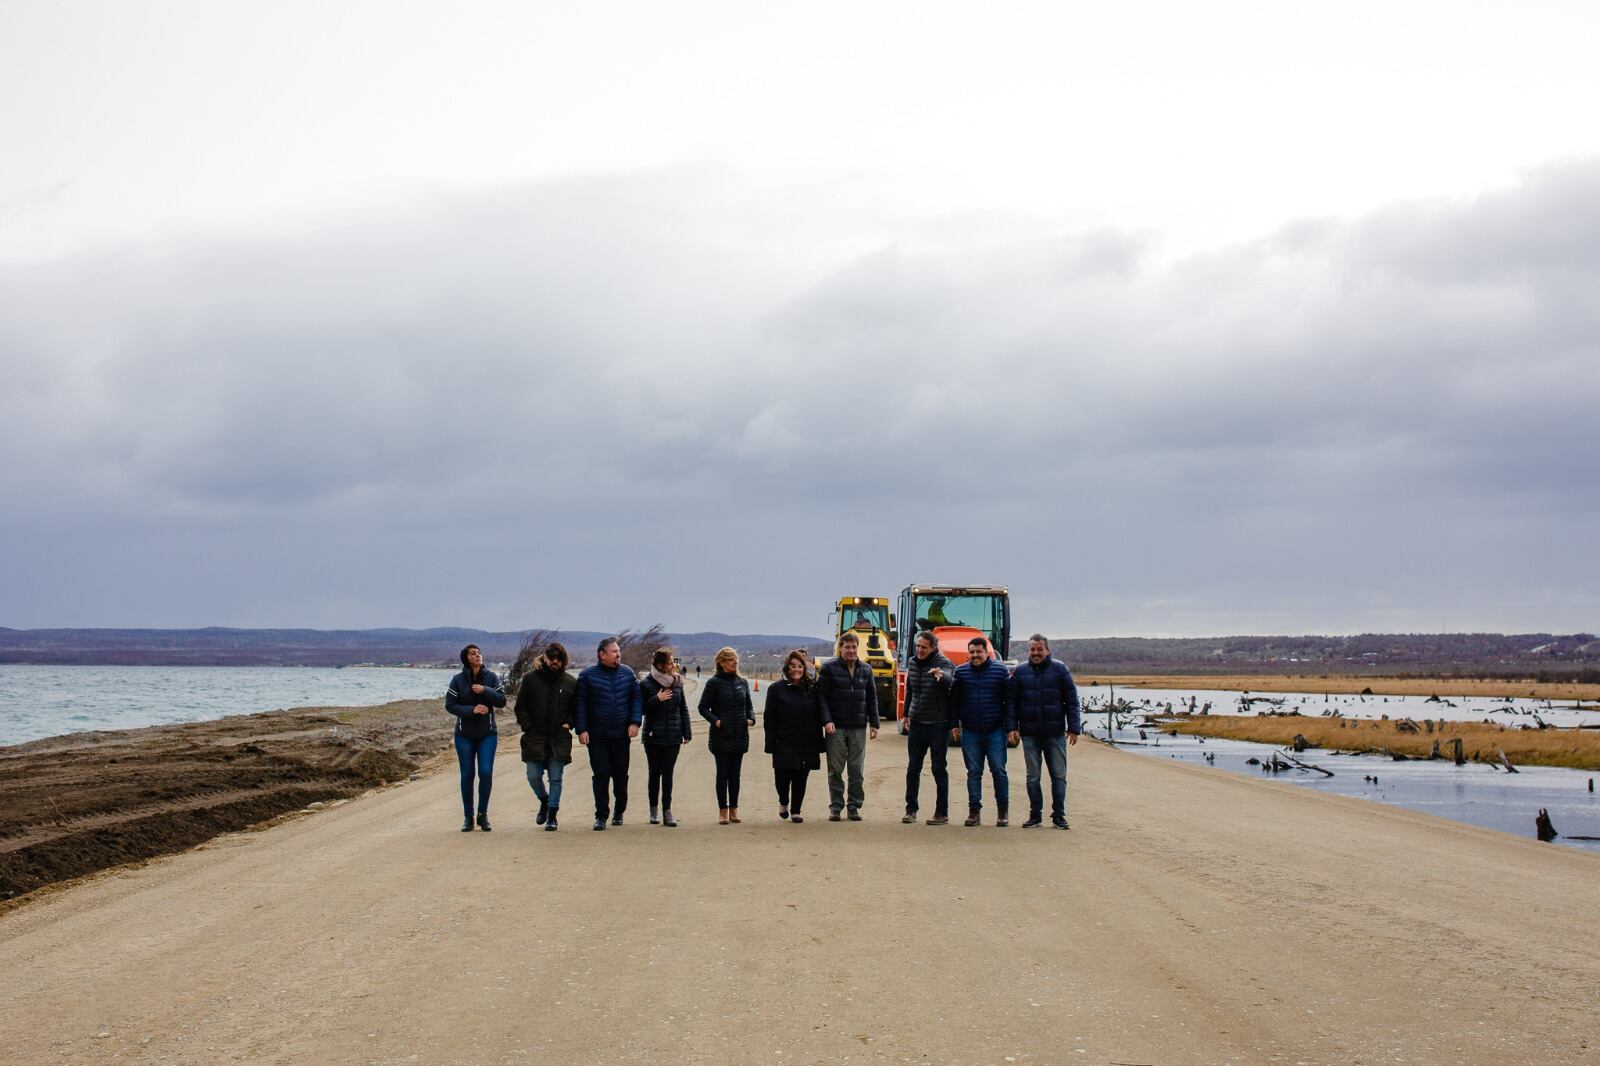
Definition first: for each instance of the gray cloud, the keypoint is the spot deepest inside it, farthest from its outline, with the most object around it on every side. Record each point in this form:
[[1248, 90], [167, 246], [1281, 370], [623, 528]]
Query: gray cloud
[[670, 395]]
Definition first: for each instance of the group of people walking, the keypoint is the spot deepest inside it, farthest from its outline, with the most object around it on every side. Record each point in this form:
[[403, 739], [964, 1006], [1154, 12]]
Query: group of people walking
[[830, 711]]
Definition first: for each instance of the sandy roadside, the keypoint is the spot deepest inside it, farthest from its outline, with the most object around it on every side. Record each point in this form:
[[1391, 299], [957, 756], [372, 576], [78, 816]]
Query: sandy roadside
[[1190, 916], [1346, 685]]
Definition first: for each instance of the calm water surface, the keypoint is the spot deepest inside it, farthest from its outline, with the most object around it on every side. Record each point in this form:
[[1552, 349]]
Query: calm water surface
[[1474, 794], [43, 701]]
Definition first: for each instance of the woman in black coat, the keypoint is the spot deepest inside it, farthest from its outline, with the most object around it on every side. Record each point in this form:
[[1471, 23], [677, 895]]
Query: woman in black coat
[[725, 703], [795, 723], [666, 730]]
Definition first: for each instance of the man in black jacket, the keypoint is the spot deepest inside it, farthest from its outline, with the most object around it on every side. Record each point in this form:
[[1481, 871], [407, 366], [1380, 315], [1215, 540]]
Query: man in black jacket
[[845, 687], [928, 719], [546, 706]]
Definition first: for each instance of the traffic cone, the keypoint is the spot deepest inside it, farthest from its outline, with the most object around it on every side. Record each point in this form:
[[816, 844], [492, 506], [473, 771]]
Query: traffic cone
[[758, 686]]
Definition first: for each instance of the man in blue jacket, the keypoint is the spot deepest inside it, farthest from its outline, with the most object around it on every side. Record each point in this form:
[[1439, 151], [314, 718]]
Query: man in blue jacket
[[980, 700], [1049, 719], [609, 711]]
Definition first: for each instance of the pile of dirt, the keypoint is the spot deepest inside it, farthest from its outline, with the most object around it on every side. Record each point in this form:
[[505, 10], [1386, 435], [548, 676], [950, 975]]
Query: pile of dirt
[[75, 804]]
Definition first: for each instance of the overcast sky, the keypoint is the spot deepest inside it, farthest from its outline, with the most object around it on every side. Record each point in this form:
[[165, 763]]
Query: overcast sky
[[1179, 319]]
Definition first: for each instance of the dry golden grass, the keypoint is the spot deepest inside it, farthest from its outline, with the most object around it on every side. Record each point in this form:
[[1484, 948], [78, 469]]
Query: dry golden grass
[[1481, 742], [1346, 685]]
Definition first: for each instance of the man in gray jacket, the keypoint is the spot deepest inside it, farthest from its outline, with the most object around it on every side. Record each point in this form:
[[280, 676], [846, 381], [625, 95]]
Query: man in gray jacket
[[927, 715]]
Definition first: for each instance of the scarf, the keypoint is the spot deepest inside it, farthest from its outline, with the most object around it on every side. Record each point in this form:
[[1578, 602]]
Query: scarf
[[665, 680]]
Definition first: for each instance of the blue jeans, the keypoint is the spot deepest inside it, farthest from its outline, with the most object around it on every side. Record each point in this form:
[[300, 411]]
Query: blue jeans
[[1053, 752], [922, 741], [975, 749], [536, 771], [476, 752]]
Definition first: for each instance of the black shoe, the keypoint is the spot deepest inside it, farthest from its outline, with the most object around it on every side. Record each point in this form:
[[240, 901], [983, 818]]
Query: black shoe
[[483, 821], [783, 812], [599, 824], [616, 819], [1059, 822], [543, 815], [550, 823], [1034, 821], [833, 816], [466, 824], [1001, 820], [796, 818], [854, 815]]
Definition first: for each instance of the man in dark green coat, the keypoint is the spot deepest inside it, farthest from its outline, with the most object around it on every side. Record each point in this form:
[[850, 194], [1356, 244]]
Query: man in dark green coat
[[545, 709]]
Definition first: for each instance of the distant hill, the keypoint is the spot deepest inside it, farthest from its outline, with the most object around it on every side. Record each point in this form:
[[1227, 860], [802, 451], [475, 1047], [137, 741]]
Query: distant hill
[[1537, 655], [331, 647]]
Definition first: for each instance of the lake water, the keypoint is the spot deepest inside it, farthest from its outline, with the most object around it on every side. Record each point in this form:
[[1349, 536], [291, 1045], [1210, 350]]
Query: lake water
[[43, 701], [1475, 794]]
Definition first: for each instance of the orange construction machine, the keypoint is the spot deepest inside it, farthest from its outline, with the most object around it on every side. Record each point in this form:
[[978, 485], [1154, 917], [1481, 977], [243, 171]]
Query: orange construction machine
[[954, 614]]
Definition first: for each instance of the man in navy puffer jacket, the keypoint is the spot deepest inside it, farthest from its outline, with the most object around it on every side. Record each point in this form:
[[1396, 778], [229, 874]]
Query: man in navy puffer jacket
[[609, 711], [1048, 718], [980, 699]]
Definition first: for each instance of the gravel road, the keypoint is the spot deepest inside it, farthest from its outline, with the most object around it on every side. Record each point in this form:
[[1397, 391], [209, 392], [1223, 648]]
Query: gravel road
[[1190, 916]]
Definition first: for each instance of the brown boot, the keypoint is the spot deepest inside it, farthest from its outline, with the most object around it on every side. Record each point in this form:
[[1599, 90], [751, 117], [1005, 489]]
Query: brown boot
[[911, 816], [1002, 821], [733, 814], [722, 816], [972, 817], [939, 819]]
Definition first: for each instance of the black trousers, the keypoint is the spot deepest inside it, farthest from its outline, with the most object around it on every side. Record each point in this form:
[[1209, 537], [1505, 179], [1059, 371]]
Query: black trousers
[[608, 759], [791, 787], [929, 740], [728, 765], [662, 759]]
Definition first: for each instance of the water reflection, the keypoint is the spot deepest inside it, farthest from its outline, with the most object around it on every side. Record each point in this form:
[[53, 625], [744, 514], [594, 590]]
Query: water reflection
[[1475, 794]]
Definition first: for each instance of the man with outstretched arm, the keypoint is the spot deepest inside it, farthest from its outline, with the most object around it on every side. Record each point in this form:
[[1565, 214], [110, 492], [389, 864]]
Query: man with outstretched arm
[[1049, 719], [928, 677], [609, 710]]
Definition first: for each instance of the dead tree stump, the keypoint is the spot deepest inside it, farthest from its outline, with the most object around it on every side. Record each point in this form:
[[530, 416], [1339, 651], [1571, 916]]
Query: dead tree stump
[[1542, 826]]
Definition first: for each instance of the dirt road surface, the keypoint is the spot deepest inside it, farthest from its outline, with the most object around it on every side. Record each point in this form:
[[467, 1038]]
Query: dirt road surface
[[1190, 916]]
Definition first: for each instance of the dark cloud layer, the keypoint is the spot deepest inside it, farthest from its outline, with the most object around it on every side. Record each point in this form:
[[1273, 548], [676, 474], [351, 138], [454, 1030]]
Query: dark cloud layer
[[666, 396]]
